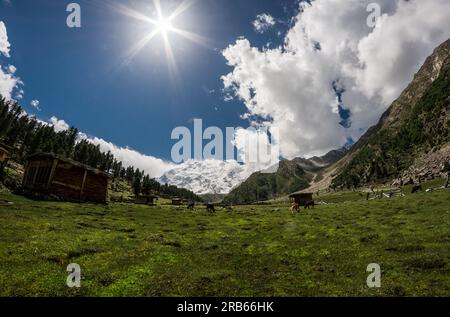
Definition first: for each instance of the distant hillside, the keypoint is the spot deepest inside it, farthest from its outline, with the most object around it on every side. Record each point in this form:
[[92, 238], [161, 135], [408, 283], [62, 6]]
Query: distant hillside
[[316, 164], [290, 177], [414, 130]]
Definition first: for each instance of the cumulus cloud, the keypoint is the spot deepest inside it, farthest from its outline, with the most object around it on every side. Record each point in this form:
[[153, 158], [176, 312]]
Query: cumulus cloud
[[11, 69], [35, 104], [255, 149], [59, 125], [19, 94], [263, 22], [332, 60], [4, 43], [153, 166], [8, 82]]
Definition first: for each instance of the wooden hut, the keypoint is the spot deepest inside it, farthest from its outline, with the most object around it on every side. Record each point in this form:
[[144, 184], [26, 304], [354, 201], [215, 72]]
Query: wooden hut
[[301, 198], [4, 152], [52, 175], [177, 201], [146, 200]]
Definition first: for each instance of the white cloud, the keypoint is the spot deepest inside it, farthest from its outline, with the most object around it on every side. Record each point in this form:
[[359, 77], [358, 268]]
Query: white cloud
[[58, 125], [35, 104], [19, 94], [153, 166], [255, 150], [8, 82], [4, 43], [292, 86], [11, 69], [263, 22]]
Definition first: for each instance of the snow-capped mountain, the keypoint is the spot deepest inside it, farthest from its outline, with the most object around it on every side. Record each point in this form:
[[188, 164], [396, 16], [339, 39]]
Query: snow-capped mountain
[[207, 177]]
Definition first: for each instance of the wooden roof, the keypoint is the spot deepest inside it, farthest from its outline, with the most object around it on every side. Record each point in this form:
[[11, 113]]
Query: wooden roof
[[300, 194], [148, 196], [38, 156]]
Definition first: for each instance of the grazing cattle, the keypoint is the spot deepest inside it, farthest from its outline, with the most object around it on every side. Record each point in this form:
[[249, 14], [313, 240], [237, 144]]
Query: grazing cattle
[[310, 204], [191, 206], [416, 189], [210, 208], [295, 207]]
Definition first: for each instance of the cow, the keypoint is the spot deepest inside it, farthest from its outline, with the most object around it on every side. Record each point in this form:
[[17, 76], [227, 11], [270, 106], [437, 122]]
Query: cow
[[210, 208], [191, 206], [295, 207], [310, 204]]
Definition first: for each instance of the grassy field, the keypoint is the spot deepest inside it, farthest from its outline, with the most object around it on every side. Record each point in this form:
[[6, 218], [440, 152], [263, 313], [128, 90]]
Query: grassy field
[[128, 250]]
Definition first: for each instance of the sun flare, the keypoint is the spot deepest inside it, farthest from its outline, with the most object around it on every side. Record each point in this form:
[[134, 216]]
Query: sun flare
[[161, 24], [164, 25]]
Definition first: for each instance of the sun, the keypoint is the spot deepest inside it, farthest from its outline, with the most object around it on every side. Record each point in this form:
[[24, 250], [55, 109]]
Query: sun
[[164, 25]]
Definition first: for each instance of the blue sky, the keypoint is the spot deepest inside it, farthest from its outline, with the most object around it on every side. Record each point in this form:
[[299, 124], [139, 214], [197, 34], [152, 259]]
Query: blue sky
[[79, 75]]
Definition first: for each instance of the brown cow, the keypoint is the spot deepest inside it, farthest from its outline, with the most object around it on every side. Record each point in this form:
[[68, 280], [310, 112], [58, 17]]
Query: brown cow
[[210, 208], [295, 207], [310, 204], [191, 206]]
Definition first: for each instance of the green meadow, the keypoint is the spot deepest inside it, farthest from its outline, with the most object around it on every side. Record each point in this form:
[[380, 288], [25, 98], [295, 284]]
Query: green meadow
[[133, 250]]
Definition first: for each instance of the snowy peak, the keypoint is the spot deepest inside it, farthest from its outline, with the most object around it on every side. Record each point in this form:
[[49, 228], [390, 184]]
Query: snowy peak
[[207, 177]]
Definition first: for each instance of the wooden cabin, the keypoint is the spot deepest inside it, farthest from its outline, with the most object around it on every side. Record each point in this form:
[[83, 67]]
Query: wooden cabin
[[177, 201], [301, 198], [5, 150], [146, 200], [52, 175]]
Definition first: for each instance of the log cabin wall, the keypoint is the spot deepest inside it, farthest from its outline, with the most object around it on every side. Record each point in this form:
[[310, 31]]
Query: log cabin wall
[[37, 174], [95, 188], [62, 178], [67, 181]]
